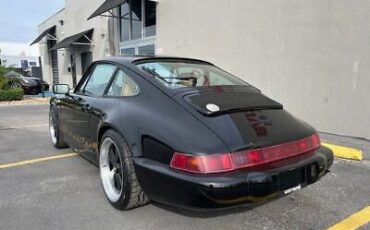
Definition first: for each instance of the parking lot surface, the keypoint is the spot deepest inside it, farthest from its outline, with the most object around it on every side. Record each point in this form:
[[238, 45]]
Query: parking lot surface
[[66, 193]]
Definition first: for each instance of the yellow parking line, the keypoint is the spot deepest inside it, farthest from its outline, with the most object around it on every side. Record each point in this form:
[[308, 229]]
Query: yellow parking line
[[36, 160], [355, 221], [345, 152]]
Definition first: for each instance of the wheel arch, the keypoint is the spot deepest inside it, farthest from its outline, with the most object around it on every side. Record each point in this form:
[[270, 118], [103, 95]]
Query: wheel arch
[[104, 128]]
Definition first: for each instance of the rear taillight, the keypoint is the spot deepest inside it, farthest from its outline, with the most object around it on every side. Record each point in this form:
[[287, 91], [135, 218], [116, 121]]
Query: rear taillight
[[277, 152], [202, 164], [243, 159]]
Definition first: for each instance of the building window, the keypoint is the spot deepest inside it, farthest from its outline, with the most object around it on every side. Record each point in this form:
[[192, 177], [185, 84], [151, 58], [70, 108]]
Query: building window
[[138, 19], [139, 49], [150, 18], [125, 22], [146, 50], [128, 51]]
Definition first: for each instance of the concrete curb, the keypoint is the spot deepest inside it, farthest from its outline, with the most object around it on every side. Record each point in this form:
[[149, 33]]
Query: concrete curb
[[345, 152], [25, 101]]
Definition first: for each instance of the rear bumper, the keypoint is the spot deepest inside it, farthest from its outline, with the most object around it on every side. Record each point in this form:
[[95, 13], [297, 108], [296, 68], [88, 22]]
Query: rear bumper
[[240, 188]]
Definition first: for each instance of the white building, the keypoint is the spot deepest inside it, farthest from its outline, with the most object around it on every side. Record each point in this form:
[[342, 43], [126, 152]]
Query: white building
[[69, 42], [312, 56]]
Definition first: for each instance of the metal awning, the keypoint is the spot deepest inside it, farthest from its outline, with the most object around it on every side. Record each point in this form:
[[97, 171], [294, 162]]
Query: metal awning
[[83, 38], [48, 32], [105, 7]]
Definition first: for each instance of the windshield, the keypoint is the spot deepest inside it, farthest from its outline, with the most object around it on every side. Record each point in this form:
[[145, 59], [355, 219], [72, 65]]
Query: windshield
[[179, 74]]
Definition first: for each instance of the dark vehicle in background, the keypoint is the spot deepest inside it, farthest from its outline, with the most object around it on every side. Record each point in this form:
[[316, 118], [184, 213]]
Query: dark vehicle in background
[[185, 133], [30, 85]]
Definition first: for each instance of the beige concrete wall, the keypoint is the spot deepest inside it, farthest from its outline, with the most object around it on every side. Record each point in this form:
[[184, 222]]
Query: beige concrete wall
[[311, 55], [75, 16]]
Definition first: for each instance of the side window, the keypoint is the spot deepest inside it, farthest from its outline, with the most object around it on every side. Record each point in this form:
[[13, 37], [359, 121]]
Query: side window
[[81, 86], [123, 86], [99, 79], [85, 78]]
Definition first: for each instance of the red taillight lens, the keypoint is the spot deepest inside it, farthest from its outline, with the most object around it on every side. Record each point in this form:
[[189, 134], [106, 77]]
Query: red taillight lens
[[230, 161], [202, 164], [316, 140], [277, 152]]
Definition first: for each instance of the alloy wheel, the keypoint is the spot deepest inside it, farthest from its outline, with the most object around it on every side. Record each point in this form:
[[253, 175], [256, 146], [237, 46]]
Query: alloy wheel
[[111, 170], [15, 85], [52, 128]]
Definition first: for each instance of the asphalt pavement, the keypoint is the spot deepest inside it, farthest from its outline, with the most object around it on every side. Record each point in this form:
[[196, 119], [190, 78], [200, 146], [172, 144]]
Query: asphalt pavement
[[66, 193]]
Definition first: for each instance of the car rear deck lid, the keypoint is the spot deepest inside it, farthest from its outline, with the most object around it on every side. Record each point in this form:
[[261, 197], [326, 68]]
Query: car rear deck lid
[[215, 103]]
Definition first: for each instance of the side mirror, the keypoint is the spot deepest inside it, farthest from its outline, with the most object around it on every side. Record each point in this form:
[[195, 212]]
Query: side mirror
[[60, 89]]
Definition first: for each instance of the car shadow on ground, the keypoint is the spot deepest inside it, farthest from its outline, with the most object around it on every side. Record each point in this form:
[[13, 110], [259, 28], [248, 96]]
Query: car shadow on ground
[[205, 213]]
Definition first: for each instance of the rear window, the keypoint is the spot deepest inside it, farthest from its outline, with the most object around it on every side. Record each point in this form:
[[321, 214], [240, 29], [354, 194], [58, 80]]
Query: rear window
[[179, 74]]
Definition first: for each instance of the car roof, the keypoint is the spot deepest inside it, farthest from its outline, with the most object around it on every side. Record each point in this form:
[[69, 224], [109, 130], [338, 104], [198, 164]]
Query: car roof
[[129, 60], [12, 73]]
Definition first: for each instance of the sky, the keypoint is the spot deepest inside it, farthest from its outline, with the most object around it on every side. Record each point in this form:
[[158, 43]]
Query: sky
[[19, 18]]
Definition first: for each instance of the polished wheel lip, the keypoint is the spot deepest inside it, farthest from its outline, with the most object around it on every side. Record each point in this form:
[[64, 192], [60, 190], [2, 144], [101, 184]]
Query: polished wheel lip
[[106, 173], [15, 85], [52, 129]]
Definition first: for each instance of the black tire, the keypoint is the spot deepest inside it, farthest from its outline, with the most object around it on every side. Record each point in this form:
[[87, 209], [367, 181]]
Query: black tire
[[54, 123], [131, 194]]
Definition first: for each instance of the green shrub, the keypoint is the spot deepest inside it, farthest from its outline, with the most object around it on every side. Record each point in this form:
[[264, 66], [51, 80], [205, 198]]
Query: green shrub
[[11, 95], [4, 85], [3, 80], [3, 70]]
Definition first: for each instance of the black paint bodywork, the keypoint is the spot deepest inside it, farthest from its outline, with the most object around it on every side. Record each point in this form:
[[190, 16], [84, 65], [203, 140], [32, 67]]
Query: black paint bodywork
[[159, 121]]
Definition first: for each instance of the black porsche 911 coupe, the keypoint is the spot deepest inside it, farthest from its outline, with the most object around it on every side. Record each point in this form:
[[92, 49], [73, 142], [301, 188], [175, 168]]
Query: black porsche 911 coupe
[[184, 132]]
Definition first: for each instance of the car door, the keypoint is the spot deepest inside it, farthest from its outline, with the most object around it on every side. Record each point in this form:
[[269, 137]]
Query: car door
[[73, 120], [121, 86], [77, 106]]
